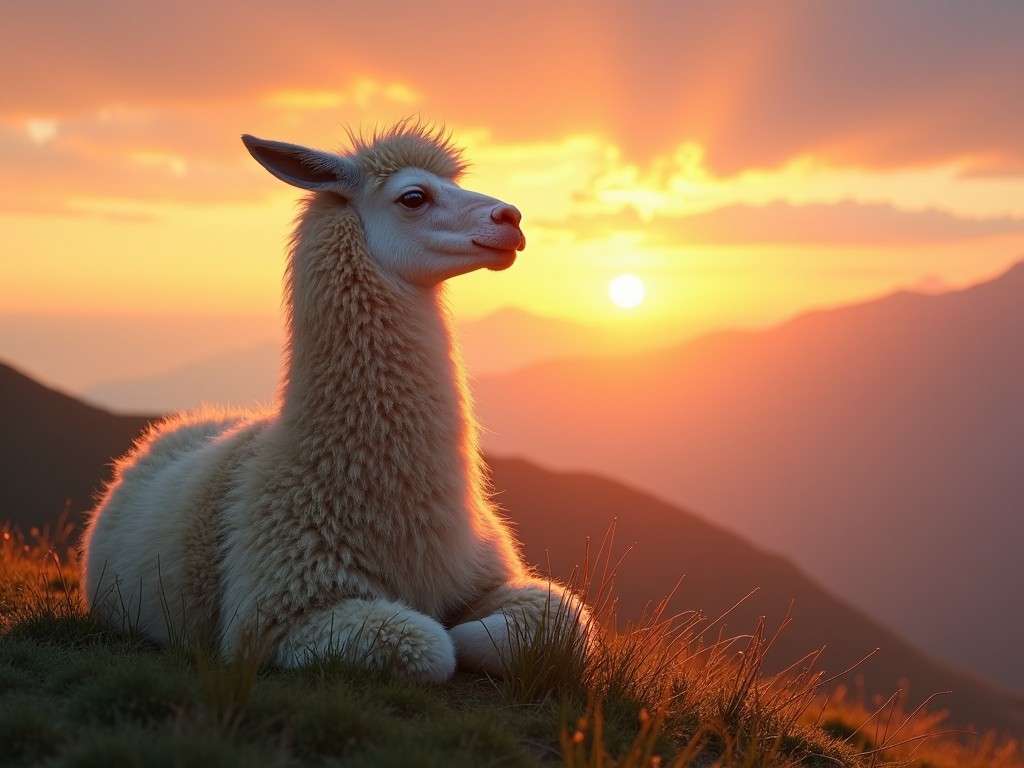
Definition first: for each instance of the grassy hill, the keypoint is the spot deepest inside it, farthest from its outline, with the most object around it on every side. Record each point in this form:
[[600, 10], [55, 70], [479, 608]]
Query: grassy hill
[[76, 694]]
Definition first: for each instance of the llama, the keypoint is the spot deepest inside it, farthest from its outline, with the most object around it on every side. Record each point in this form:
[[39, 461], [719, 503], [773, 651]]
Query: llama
[[354, 518]]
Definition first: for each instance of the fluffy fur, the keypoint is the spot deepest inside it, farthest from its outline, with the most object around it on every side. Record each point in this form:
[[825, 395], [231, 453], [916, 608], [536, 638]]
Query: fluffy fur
[[355, 518]]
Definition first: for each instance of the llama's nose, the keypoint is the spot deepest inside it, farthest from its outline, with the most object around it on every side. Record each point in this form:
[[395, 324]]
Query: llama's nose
[[506, 214]]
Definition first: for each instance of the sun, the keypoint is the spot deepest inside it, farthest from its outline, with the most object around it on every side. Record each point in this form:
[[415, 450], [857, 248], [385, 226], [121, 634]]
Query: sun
[[626, 291]]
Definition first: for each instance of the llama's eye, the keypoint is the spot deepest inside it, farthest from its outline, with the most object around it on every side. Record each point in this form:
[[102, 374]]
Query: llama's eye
[[413, 198]]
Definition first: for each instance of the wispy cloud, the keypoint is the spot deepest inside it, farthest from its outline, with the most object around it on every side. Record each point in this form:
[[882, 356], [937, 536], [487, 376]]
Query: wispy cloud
[[845, 223], [189, 153]]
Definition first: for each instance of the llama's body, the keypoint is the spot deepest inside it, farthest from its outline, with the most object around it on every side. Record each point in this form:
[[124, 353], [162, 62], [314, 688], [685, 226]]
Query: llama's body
[[355, 518]]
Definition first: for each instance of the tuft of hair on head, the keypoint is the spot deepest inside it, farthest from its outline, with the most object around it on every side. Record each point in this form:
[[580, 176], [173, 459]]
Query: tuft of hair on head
[[409, 143]]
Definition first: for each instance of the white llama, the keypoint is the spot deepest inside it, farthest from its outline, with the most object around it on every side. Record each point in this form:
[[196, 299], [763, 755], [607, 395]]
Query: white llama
[[355, 518]]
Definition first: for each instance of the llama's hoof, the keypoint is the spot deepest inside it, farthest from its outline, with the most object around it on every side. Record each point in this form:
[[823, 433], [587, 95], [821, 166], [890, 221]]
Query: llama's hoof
[[419, 648], [378, 635], [538, 613], [483, 645]]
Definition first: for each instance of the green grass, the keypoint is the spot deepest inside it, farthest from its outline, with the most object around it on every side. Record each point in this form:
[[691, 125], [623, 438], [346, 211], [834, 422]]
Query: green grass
[[73, 693]]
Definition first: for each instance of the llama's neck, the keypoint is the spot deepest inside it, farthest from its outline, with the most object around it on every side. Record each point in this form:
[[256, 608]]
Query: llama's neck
[[374, 402]]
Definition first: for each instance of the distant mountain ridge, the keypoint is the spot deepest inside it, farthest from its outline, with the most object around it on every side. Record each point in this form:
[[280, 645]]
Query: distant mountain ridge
[[880, 446], [239, 378], [53, 447], [504, 341], [511, 339]]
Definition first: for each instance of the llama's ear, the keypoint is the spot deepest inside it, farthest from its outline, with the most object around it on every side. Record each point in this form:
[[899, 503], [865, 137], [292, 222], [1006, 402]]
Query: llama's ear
[[303, 167]]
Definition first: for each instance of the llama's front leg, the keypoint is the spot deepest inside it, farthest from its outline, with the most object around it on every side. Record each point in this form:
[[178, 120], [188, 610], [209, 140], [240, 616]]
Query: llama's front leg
[[508, 619], [376, 634]]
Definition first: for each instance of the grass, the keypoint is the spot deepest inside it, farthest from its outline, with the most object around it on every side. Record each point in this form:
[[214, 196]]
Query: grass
[[665, 691]]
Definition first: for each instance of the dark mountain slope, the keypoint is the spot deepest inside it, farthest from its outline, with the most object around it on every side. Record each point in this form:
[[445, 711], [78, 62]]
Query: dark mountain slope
[[556, 512], [54, 449]]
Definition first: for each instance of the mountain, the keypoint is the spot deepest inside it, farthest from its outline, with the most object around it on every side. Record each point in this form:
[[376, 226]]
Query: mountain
[[511, 339], [238, 378], [556, 512], [506, 340], [54, 450], [79, 351], [54, 437], [878, 446]]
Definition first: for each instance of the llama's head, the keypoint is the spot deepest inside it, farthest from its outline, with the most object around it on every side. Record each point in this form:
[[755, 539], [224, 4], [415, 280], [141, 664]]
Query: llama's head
[[420, 226]]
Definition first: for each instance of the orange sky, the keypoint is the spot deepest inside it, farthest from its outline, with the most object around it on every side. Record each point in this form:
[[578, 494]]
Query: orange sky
[[746, 165]]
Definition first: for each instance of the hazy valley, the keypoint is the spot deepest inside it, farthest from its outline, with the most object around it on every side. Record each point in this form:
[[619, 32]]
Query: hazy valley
[[164, 363]]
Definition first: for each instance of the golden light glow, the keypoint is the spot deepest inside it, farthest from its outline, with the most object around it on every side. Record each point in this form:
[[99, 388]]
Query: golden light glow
[[626, 291], [127, 190], [362, 92], [41, 131]]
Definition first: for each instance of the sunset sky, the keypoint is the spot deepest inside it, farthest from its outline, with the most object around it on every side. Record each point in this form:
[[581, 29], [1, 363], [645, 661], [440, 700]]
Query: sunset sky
[[746, 160]]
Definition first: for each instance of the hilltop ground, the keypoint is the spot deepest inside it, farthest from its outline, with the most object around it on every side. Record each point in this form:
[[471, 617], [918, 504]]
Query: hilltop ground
[[76, 694]]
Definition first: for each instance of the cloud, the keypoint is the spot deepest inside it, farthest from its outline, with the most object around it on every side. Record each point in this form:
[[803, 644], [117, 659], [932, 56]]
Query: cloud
[[874, 84], [79, 162], [189, 153], [845, 223], [871, 84]]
